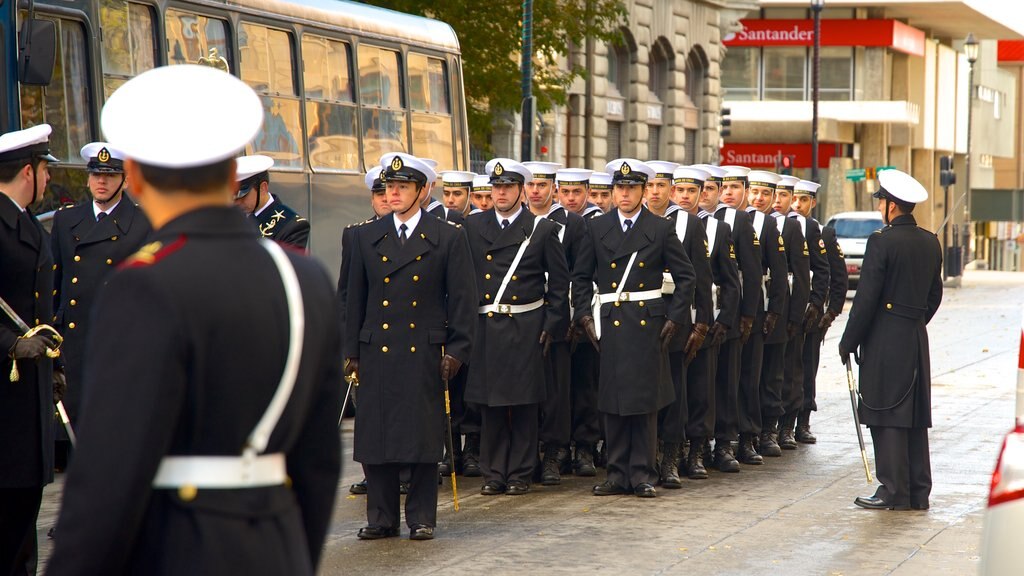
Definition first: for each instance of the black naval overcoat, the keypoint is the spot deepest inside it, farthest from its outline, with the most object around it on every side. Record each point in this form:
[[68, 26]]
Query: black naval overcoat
[[838, 275], [635, 377], [444, 213], [773, 265], [726, 275], [899, 291], [573, 237], [404, 304], [695, 245], [201, 321], [817, 261], [501, 372], [86, 252], [26, 406], [799, 269], [280, 223], [748, 261]]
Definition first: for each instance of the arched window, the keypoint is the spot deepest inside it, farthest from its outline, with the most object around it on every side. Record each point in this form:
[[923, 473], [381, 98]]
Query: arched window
[[659, 68], [621, 55], [696, 88]]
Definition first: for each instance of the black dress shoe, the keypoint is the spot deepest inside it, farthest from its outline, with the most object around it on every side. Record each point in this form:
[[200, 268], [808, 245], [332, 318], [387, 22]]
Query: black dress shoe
[[517, 488], [492, 488], [609, 488], [876, 503], [358, 487], [645, 491], [421, 532], [376, 533], [805, 436], [913, 506]]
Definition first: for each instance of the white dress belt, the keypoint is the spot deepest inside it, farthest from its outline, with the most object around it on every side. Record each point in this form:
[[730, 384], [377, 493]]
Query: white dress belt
[[631, 296], [511, 308], [223, 472]]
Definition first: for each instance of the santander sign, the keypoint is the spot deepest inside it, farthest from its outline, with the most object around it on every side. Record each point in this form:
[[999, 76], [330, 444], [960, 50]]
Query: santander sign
[[834, 32], [794, 34]]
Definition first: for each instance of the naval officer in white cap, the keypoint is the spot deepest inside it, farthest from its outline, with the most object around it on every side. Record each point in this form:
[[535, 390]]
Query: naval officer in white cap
[[900, 290], [202, 450]]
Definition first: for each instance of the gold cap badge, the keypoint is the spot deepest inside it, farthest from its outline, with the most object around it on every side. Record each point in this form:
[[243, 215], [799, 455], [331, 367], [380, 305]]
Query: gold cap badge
[[624, 169], [499, 169], [104, 155], [396, 164]]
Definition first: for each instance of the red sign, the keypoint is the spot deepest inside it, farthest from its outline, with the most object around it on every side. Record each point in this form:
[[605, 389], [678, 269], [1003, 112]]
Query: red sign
[[766, 155], [1011, 51], [875, 33]]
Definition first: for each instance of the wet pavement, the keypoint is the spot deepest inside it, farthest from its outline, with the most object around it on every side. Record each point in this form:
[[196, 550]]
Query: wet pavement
[[793, 515]]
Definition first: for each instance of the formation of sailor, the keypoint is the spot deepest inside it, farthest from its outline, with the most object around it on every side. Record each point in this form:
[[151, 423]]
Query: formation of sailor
[[204, 418], [275, 220], [89, 241], [456, 189]]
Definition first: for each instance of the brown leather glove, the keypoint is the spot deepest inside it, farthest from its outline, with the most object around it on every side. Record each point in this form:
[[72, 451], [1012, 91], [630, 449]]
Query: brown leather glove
[[746, 325], [769, 322], [60, 385], [718, 333], [545, 341], [694, 342], [826, 322], [30, 348], [587, 322], [811, 316], [667, 332], [449, 367], [352, 367]]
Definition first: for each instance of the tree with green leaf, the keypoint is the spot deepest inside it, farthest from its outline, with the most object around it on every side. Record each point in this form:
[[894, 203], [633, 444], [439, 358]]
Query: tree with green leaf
[[490, 34]]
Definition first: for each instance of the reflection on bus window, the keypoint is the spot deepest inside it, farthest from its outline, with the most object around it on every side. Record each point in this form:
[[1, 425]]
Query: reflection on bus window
[[66, 102], [190, 37], [267, 65], [330, 104], [380, 92], [431, 118], [128, 47]]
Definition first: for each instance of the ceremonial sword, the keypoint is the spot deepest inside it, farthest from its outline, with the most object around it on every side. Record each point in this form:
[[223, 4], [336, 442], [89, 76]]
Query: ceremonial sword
[[52, 353], [856, 419]]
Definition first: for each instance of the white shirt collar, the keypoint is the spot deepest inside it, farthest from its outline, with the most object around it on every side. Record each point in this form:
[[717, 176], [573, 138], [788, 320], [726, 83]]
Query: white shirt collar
[[410, 224], [511, 218], [270, 200], [96, 209], [633, 218], [778, 215]]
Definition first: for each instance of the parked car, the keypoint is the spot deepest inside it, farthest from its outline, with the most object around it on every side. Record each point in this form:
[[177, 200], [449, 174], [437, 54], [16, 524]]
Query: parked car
[[1001, 550], [852, 231]]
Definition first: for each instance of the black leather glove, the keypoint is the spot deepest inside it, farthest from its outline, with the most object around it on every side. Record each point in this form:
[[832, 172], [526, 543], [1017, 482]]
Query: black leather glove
[[746, 325], [449, 366], [844, 354], [694, 342], [588, 326], [811, 316], [769, 322], [791, 329], [545, 341], [667, 332], [352, 367], [30, 348], [718, 333], [60, 385]]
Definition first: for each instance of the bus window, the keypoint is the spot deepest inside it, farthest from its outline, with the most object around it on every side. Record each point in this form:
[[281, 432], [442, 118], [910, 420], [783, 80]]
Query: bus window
[[431, 117], [190, 37], [267, 65], [128, 46], [65, 104], [380, 94], [330, 104]]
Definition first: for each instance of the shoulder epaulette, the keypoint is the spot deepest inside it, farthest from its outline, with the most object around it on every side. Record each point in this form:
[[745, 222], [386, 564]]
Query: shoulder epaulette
[[152, 253]]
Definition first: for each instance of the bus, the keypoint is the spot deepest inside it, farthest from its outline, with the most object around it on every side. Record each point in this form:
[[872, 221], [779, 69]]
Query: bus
[[341, 83]]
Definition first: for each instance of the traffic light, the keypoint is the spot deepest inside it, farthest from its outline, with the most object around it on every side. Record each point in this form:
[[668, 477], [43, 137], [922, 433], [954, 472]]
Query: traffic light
[[786, 164], [726, 122], [947, 177]]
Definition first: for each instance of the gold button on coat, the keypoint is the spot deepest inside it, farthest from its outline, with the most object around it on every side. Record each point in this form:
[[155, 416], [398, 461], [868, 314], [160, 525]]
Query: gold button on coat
[[415, 278], [74, 280], [613, 265], [615, 284], [412, 349], [489, 257], [412, 326], [383, 258], [384, 303], [78, 258], [188, 493], [109, 261], [386, 326], [74, 302], [387, 279], [487, 276], [643, 322], [640, 264], [888, 306], [616, 322], [71, 325], [384, 349]]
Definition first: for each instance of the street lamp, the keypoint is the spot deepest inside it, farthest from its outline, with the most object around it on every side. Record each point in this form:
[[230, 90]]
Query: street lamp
[[971, 51], [816, 6]]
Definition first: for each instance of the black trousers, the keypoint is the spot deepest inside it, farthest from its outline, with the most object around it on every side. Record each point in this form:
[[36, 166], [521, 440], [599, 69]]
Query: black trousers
[[772, 375], [508, 442], [586, 421], [19, 508], [749, 395], [555, 411], [902, 464], [812, 357], [672, 419], [383, 498], [700, 399], [793, 376], [727, 384], [632, 449]]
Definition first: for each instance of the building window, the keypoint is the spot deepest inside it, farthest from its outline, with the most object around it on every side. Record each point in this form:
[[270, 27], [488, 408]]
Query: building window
[[653, 141], [690, 151], [835, 73], [614, 140], [741, 76], [618, 69], [659, 68], [785, 73]]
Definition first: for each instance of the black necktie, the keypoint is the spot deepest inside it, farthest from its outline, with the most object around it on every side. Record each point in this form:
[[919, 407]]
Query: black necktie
[[628, 224], [101, 216], [504, 223], [401, 234]]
